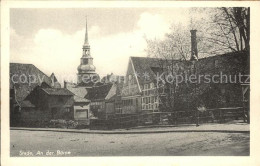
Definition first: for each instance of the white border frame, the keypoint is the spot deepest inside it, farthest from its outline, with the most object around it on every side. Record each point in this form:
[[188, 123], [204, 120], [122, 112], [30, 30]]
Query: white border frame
[[252, 160]]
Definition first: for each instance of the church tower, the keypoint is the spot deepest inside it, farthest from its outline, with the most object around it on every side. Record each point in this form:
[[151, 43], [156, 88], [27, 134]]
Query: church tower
[[86, 69]]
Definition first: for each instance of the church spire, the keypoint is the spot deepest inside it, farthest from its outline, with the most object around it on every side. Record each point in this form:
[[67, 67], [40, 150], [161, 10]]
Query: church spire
[[86, 33], [86, 69]]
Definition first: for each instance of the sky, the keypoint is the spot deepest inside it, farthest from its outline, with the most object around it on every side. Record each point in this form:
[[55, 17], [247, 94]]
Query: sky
[[52, 39]]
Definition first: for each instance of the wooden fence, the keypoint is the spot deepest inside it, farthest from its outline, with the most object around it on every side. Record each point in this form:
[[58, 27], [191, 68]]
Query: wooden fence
[[213, 115]]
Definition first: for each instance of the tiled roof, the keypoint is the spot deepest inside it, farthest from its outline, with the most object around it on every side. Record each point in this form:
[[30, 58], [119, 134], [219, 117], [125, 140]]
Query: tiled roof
[[226, 55], [151, 66], [144, 65], [79, 93], [98, 92], [69, 103], [57, 91], [27, 104], [29, 70], [78, 99], [22, 90], [112, 92], [112, 78]]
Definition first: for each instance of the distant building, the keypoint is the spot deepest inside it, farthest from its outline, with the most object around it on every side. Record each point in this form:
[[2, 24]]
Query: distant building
[[111, 78], [54, 81], [105, 100], [86, 70], [94, 97], [81, 104]]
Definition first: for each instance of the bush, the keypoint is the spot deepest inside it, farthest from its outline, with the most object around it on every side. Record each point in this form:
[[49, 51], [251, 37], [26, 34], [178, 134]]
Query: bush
[[61, 123]]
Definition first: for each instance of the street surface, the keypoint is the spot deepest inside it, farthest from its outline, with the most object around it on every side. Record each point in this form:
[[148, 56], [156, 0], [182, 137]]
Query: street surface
[[46, 143]]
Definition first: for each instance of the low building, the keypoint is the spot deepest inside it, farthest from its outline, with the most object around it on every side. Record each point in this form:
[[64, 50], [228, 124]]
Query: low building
[[81, 107], [54, 103], [36, 98], [105, 100]]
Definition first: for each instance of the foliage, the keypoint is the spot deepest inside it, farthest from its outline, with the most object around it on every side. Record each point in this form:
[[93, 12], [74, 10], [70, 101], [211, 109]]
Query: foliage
[[229, 29], [219, 30], [61, 123]]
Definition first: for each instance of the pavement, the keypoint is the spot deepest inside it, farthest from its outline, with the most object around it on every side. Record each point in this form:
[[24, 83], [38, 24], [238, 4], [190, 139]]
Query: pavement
[[232, 127], [47, 144]]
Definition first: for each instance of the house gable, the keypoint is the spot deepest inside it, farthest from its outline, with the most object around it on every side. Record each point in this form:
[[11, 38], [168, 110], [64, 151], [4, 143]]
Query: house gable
[[131, 85]]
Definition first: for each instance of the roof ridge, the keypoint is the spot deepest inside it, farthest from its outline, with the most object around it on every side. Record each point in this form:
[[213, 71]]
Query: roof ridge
[[225, 54], [33, 66], [21, 63]]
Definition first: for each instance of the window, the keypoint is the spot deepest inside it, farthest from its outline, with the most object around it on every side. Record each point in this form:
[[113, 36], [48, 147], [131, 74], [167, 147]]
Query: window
[[118, 110], [128, 102], [81, 110], [152, 99], [85, 61], [223, 90], [130, 80], [152, 106], [216, 63], [130, 77], [150, 103], [151, 85], [67, 109], [156, 99], [152, 92], [155, 105]]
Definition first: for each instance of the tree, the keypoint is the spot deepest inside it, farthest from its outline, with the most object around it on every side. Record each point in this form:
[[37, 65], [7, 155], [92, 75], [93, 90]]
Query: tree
[[176, 45], [223, 30], [227, 29], [168, 54], [219, 31]]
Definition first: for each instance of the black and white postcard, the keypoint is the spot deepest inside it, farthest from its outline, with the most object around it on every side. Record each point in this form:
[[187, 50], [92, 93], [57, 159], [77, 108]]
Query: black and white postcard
[[96, 82]]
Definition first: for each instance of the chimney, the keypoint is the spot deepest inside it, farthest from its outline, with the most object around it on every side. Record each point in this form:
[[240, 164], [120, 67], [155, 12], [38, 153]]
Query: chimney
[[194, 49], [65, 84]]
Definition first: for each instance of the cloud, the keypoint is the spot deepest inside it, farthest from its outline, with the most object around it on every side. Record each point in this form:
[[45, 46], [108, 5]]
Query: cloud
[[55, 51], [153, 25], [94, 31], [111, 53]]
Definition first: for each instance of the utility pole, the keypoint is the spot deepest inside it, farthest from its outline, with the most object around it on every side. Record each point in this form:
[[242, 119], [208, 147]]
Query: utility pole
[[194, 59]]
